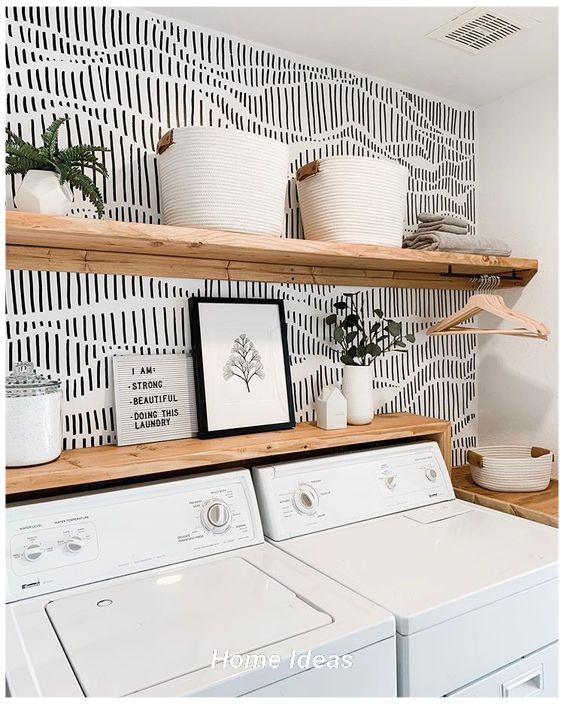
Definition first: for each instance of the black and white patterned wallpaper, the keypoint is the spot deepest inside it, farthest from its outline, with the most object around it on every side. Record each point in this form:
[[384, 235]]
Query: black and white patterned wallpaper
[[124, 77]]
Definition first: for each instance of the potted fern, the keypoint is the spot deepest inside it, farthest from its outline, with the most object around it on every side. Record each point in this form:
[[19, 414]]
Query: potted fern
[[50, 174], [361, 342]]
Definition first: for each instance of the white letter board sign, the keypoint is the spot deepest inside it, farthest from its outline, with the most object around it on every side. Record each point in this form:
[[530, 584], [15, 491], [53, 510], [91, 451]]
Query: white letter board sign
[[154, 398]]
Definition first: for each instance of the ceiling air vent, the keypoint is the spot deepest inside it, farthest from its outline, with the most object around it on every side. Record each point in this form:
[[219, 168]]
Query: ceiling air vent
[[477, 29]]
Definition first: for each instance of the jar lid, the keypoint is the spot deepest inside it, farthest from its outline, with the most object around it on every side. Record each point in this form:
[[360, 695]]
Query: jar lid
[[25, 381]]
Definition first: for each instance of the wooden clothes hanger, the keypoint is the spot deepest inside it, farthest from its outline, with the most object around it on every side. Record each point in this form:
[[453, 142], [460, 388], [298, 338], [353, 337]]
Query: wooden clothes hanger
[[494, 304]]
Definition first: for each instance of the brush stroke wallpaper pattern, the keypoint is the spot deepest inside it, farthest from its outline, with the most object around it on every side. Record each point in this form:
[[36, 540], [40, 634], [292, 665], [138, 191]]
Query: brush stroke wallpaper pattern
[[124, 77]]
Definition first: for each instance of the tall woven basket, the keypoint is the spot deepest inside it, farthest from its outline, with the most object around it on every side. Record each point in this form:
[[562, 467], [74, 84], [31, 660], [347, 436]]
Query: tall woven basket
[[359, 200], [511, 467], [223, 179]]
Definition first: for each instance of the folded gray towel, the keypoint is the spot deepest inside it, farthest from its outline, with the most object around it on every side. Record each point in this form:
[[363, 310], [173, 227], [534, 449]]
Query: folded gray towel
[[443, 219], [438, 227], [449, 242]]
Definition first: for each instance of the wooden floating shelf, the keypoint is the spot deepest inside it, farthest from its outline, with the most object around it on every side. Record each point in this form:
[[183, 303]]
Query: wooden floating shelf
[[109, 463], [539, 506], [53, 243]]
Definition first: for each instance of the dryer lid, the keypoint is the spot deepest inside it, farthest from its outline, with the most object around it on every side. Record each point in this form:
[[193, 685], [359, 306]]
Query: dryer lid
[[123, 638], [434, 563]]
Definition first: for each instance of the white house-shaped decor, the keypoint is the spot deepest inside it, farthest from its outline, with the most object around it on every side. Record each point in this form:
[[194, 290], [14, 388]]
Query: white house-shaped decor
[[331, 409]]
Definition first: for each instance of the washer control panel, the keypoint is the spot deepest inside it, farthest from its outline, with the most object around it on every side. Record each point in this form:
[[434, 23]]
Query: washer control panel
[[296, 498], [39, 549], [62, 543]]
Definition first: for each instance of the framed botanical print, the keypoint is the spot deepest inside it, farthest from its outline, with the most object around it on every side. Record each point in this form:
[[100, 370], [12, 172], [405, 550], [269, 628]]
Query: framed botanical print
[[241, 366]]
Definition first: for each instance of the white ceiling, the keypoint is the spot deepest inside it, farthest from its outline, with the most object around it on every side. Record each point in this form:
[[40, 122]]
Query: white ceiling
[[390, 43]]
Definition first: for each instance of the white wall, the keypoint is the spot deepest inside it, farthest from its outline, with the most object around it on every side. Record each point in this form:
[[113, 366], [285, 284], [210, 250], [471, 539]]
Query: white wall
[[517, 201]]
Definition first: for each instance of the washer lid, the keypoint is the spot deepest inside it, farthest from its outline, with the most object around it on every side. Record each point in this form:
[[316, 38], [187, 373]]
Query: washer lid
[[121, 639]]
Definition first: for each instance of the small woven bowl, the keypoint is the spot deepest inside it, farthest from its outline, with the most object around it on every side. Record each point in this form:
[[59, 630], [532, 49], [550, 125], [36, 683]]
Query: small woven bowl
[[511, 467]]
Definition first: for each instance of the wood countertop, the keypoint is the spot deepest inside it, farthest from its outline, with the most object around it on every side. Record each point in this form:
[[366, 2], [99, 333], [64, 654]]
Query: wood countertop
[[539, 506]]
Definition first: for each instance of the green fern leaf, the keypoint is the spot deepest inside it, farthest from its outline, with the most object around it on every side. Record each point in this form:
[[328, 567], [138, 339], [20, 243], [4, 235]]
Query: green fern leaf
[[50, 136], [88, 189], [81, 149], [20, 166], [13, 137], [21, 149], [64, 173], [82, 158], [26, 151], [44, 152]]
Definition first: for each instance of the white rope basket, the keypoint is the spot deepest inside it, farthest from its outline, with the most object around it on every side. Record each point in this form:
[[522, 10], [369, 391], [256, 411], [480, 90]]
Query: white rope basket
[[353, 199], [223, 179], [511, 467]]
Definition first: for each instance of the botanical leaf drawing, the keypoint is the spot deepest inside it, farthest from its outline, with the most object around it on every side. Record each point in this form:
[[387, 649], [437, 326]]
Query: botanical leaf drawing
[[244, 362]]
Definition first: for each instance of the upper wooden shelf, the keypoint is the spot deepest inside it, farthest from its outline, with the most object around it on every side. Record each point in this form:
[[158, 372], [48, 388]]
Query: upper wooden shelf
[[53, 243], [109, 463]]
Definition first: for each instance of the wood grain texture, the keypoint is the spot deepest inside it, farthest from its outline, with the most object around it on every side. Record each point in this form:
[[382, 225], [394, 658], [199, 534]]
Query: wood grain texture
[[53, 243], [108, 462], [444, 441], [539, 506]]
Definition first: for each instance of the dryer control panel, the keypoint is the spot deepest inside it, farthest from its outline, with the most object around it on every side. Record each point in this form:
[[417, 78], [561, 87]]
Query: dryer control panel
[[296, 498], [63, 543]]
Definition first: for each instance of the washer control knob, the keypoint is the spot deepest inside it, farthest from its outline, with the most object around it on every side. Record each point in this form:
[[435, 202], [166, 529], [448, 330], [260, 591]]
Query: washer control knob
[[33, 551], [391, 481], [74, 544], [306, 499], [216, 517], [431, 474]]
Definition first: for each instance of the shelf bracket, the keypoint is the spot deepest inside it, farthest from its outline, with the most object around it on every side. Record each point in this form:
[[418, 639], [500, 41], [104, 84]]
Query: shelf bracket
[[451, 274]]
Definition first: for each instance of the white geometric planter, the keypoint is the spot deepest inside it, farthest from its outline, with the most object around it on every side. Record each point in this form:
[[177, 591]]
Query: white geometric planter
[[41, 192]]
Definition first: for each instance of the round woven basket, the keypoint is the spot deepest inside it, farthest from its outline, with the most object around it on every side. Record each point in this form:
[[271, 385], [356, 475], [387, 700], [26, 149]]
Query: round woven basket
[[511, 467], [223, 179], [353, 199]]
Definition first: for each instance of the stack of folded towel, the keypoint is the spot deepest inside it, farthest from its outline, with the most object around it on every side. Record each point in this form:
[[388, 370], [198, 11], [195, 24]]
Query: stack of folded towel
[[449, 233]]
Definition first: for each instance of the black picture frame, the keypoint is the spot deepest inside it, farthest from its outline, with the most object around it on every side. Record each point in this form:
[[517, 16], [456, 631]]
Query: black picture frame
[[194, 309]]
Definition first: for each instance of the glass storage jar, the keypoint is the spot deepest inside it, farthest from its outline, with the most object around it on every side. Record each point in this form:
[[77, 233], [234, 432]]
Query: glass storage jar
[[34, 433]]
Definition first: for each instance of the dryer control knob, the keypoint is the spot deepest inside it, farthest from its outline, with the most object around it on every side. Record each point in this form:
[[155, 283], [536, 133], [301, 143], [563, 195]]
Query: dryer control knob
[[74, 544], [431, 474], [306, 499], [33, 551], [391, 482], [216, 517]]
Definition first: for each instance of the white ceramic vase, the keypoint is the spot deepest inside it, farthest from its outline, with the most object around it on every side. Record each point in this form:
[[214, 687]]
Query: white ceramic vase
[[41, 192], [357, 389]]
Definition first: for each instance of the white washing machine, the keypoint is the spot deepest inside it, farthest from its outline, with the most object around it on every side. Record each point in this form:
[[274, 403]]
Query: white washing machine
[[170, 590], [474, 591]]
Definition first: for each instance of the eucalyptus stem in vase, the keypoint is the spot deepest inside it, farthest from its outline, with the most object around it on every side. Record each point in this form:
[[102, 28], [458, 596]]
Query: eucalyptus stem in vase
[[361, 342]]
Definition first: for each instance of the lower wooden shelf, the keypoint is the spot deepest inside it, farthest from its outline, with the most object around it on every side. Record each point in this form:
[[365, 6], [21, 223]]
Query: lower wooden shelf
[[94, 465], [539, 506]]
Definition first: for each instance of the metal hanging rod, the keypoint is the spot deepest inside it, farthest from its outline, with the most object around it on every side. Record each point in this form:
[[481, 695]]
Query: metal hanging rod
[[451, 274]]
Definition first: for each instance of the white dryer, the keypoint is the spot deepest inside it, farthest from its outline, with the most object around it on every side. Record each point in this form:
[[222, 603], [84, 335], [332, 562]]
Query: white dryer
[[170, 590], [474, 591]]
